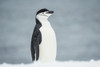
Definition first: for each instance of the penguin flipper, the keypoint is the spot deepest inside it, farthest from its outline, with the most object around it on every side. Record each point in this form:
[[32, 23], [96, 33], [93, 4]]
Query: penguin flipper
[[36, 45], [35, 41]]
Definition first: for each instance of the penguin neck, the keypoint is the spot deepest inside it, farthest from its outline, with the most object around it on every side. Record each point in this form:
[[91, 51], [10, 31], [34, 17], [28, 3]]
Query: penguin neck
[[44, 21]]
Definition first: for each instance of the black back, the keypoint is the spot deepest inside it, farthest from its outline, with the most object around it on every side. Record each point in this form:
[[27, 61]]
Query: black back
[[36, 40]]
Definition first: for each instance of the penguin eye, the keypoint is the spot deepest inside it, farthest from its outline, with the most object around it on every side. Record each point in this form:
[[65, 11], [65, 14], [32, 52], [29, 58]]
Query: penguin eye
[[44, 13], [47, 12]]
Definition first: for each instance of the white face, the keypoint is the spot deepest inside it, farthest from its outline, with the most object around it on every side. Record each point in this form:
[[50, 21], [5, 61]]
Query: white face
[[44, 14]]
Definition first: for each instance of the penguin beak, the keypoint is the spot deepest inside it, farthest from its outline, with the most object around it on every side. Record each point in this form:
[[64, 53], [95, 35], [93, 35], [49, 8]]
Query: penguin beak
[[50, 12]]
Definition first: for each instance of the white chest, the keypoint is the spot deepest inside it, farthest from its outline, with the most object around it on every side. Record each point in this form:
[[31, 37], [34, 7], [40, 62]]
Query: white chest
[[48, 35], [48, 45]]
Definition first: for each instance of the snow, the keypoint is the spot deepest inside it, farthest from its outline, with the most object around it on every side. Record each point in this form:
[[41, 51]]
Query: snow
[[91, 63]]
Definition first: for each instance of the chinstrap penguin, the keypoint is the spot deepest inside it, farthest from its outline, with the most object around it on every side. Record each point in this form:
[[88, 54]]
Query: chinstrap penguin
[[43, 42]]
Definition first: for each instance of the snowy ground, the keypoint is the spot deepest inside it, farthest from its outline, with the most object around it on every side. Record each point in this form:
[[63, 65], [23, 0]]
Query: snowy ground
[[56, 64]]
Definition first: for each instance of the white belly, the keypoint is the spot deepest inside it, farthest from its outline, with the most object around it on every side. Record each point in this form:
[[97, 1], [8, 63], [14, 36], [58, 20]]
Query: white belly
[[47, 48]]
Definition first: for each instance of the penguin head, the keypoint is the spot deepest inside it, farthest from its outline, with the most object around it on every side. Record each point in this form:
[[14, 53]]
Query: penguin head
[[44, 13]]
